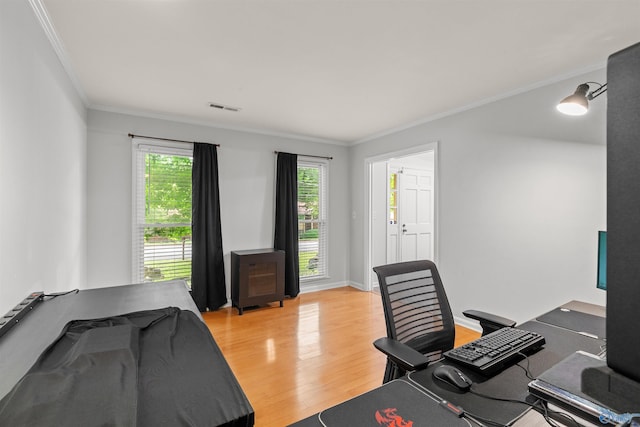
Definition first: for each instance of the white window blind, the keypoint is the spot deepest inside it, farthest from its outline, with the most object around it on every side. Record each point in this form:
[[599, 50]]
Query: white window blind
[[312, 218], [162, 212]]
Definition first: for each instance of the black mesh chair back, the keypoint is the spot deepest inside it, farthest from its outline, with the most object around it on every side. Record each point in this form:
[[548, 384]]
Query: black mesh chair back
[[416, 310]]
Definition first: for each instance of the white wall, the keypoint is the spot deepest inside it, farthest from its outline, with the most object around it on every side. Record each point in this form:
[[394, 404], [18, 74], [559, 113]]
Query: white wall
[[521, 196], [42, 164], [247, 181]]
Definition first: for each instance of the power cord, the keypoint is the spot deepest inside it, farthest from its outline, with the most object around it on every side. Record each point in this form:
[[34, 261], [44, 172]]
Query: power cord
[[526, 369], [564, 415], [483, 420], [538, 405], [59, 294]]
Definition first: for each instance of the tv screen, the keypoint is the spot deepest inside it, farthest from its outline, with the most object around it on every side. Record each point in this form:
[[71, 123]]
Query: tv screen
[[602, 260]]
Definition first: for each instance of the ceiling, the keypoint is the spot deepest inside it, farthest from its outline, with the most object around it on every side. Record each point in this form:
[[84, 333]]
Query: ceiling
[[340, 71]]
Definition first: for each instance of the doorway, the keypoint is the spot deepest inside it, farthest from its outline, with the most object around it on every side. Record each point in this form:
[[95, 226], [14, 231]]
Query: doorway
[[401, 209], [409, 207]]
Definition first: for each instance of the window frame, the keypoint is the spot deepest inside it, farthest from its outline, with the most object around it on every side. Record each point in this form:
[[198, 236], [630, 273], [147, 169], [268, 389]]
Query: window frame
[[140, 148], [323, 211]]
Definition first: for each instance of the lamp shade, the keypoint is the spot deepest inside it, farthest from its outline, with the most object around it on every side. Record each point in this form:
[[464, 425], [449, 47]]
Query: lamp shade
[[576, 104]]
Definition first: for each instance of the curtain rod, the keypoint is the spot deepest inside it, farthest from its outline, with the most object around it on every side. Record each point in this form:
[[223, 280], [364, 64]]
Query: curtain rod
[[167, 139], [309, 155]]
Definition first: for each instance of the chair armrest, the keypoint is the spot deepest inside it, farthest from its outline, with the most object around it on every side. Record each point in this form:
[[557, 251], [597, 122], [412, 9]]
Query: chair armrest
[[489, 322], [401, 354]]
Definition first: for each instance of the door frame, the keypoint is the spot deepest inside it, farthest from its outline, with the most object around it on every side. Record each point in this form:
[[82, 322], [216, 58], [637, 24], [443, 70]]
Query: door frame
[[368, 223]]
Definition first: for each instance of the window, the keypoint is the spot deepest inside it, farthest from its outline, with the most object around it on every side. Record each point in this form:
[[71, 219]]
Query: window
[[393, 198], [312, 218], [162, 213]]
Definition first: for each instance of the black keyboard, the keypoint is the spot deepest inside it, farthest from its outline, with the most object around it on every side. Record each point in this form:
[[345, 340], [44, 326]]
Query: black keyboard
[[494, 351]]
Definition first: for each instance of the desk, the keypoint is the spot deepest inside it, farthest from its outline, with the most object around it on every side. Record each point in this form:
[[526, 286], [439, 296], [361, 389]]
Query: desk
[[510, 383], [220, 400]]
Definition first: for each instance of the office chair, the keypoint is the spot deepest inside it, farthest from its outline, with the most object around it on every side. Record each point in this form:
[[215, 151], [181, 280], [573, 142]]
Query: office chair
[[419, 322]]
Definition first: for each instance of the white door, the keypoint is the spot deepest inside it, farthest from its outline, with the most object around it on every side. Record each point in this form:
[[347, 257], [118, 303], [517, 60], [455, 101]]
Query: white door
[[416, 215], [410, 215]]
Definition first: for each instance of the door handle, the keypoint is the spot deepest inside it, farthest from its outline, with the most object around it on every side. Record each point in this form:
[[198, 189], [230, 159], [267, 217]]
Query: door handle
[[404, 228]]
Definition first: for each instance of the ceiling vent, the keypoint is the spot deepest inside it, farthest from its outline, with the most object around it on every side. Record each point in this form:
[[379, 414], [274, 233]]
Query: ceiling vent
[[223, 107]]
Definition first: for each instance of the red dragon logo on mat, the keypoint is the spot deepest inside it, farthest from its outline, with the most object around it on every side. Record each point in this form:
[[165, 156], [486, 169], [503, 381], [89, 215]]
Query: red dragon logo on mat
[[389, 418]]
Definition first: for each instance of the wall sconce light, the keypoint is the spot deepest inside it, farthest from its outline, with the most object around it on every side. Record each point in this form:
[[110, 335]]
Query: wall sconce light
[[578, 103]]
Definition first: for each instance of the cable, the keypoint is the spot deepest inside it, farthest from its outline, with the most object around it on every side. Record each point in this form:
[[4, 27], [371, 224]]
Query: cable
[[548, 411], [59, 294], [545, 414], [486, 421], [526, 369], [543, 405], [537, 405], [499, 399], [543, 408]]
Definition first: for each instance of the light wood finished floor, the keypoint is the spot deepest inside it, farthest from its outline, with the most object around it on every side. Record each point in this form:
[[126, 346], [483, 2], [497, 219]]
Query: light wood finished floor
[[313, 353]]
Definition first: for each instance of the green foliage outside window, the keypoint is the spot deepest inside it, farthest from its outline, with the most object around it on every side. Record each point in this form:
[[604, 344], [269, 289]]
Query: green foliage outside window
[[167, 217], [308, 199], [167, 196]]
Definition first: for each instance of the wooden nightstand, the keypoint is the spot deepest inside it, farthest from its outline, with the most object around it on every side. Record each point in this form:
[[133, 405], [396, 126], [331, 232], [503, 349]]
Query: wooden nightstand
[[257, 277]]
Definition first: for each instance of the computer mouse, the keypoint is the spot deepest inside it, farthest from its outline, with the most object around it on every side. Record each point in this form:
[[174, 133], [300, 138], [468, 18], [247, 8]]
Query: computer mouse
[[452, 376]]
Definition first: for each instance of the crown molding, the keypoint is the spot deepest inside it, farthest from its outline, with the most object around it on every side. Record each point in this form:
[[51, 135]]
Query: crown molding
[[537, 85], [45, 22], [211, 124]]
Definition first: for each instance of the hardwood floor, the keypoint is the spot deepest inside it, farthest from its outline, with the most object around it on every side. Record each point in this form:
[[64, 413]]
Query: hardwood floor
[[313, 353]]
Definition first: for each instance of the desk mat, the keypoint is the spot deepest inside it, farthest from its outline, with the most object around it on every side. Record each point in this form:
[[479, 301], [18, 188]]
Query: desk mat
[[575, 321], [511, 383], [396, 403], [503, 413]]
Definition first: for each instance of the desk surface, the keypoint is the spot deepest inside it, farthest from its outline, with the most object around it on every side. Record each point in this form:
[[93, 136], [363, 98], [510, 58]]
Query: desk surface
[[512, 382], [586, 307], [178, 375], [23, 344]]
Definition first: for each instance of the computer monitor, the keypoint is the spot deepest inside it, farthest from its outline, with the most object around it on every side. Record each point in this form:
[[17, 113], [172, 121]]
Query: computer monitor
[[623, 205], [602, 260], [618, 382]]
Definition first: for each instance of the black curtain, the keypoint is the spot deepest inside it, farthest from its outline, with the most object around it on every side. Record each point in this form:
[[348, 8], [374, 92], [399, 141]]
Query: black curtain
[[286, 233], [207, 266]]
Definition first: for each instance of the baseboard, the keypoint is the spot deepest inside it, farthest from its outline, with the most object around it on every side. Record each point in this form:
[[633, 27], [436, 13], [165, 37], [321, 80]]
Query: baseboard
[[321, 287], [356, 285], [305, 289], [467, 323]]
